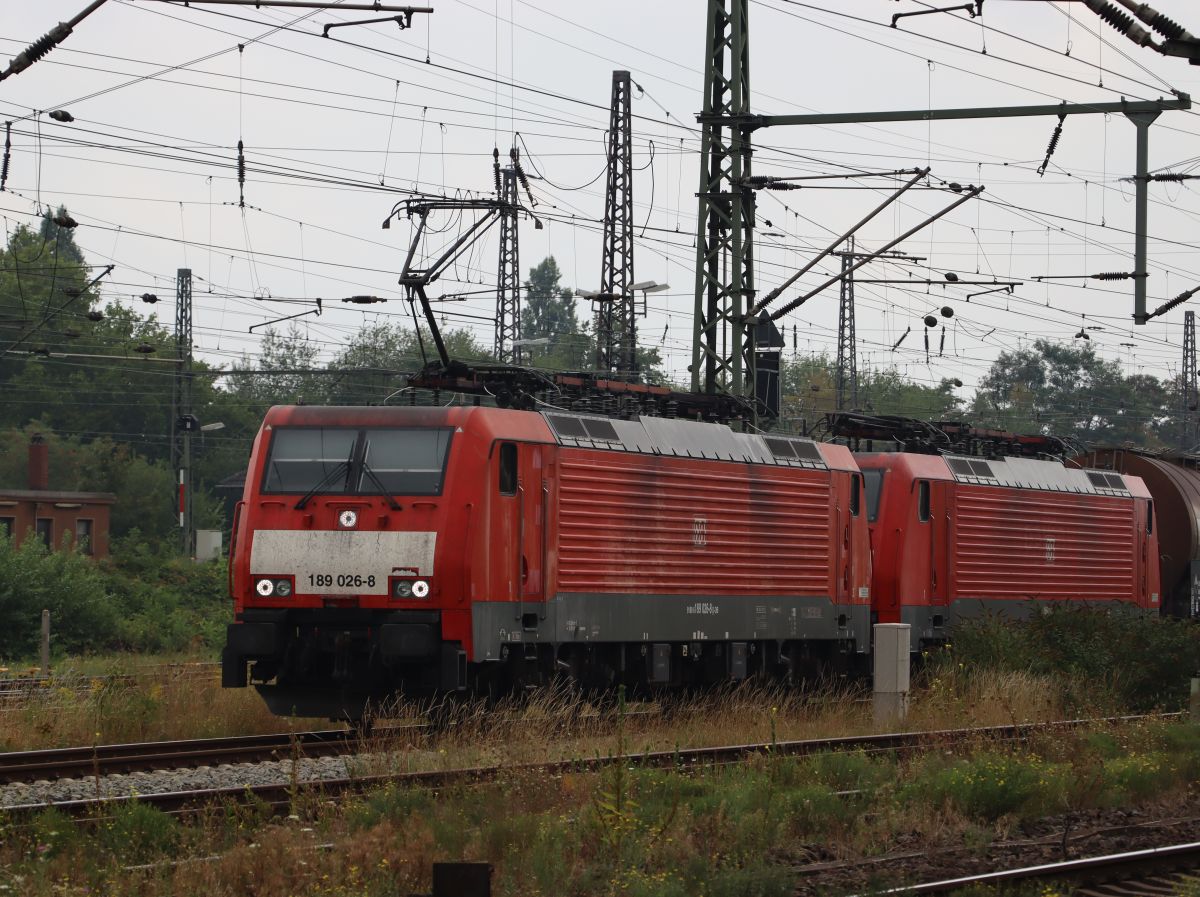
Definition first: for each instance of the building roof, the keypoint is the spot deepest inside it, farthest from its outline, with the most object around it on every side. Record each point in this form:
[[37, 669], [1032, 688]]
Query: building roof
[[234, 482], [50, 495]]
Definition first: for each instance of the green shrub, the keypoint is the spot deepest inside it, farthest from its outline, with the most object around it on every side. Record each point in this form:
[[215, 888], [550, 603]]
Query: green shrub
[[815, 810], [849, 770], [391, 802], [1136, 777], [139, 599], [1104, 655], [990, 785], [139, 833], [70, 586], [48, 834]]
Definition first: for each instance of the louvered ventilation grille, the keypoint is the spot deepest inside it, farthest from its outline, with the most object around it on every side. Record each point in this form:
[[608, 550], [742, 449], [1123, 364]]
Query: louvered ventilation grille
[[969, 467]]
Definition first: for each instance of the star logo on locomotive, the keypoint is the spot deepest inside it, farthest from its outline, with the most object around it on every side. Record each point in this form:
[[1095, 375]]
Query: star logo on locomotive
[[347, 519]]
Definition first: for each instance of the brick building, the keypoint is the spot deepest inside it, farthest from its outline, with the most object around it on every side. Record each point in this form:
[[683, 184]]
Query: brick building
[[79, 519]]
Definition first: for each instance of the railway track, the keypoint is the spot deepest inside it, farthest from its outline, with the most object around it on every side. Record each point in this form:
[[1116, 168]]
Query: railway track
[[88, 761], [1157, 870], [106, 759], [282, 795]]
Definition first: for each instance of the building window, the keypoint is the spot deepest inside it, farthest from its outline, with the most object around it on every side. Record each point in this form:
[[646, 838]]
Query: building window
[[6, 526], [45, 531], [508, 468], [83, 535]]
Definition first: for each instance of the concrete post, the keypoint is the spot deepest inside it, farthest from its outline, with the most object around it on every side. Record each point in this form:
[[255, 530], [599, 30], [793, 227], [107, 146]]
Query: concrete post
[[1194, 701], [891, 673], [45, 643]]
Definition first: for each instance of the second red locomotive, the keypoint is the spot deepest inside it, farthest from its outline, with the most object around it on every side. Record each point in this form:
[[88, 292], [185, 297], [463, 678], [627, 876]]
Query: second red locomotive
[[958, 537]]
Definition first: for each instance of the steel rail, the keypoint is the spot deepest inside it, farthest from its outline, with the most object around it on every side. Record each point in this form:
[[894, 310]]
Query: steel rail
[[88, 761], [281, 795], [106, 759], [1170, 857]]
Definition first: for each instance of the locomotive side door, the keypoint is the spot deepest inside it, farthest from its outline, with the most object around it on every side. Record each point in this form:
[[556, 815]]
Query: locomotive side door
[[939, 549], [520, 526], [529, 549], [848, 505], [532, 496]]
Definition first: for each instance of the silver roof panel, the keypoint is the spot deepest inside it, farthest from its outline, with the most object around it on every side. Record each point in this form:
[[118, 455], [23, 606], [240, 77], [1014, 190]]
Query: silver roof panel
[[1030, 473], [683, 439]]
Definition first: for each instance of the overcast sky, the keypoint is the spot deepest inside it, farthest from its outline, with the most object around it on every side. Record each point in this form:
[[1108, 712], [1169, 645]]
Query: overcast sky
[[336, 130]]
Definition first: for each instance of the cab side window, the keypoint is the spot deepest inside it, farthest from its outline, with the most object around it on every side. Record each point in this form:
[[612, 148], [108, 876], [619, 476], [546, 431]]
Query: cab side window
[[508, 468], [855, 494], [923, 501], [873, 486]]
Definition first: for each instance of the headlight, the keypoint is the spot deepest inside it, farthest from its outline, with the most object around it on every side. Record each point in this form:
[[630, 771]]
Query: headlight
[[410, 588], [283, 588], [265, 587]]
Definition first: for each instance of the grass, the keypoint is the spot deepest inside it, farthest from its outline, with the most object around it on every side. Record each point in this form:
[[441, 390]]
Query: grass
[[982, 679], [721, 832], [115, 700]]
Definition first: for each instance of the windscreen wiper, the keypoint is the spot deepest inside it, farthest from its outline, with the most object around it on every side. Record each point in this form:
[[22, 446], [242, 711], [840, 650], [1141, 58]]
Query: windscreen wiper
[[371, 475], [341, 467]]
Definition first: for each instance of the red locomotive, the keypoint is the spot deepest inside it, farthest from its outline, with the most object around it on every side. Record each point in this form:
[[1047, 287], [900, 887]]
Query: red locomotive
[[425, 550], [957, 537]]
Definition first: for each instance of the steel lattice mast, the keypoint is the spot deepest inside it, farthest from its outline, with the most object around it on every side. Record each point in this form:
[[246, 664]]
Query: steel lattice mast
[[722, 342], [847, 352], [616, 310], [183, 422], [508, 274], [1188, 396]]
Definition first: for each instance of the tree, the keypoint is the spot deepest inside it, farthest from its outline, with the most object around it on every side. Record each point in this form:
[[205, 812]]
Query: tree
[[808, 391], [43, 303], [94, 382], [1067, 390], [62, 239], [294, 357], [370, 366], [887, 392], [549, 313]]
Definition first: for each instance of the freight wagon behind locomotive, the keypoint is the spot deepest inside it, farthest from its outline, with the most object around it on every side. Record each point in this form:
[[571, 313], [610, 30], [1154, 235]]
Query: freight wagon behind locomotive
[[442, 550], [1173, 479], [959, 537]]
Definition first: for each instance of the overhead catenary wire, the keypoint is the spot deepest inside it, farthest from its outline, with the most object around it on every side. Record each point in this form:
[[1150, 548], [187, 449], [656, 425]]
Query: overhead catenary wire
[[301, 253]]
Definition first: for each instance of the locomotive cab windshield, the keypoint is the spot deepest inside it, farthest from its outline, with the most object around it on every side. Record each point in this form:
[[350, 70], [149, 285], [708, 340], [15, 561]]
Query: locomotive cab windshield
[[343, 461]]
